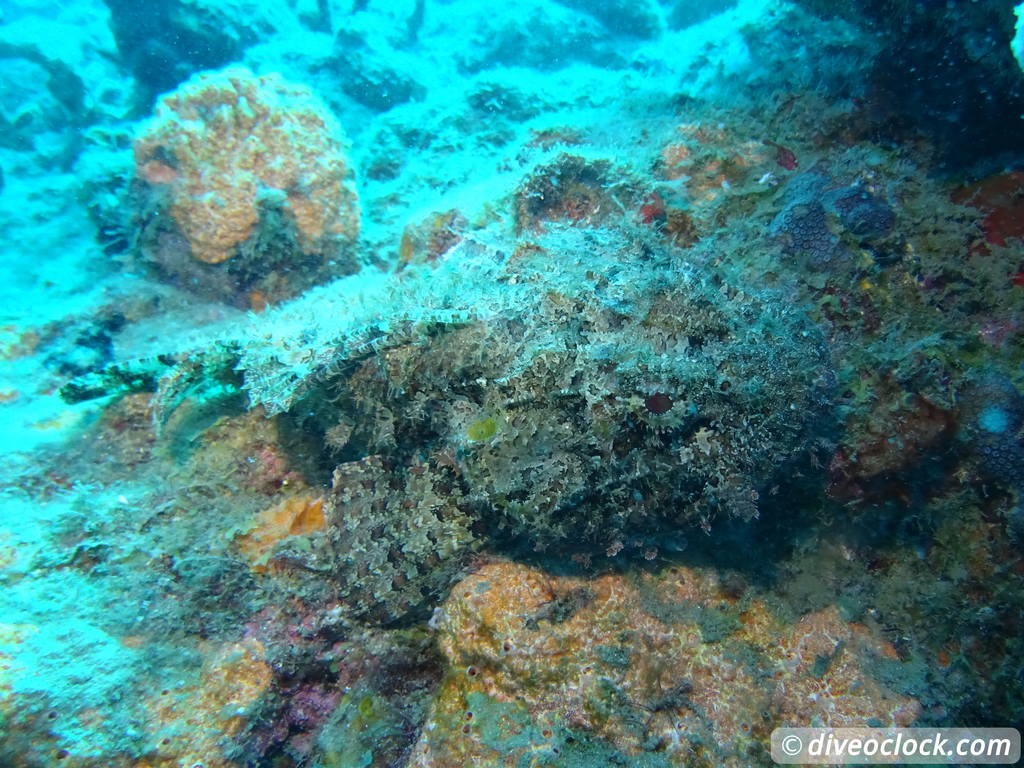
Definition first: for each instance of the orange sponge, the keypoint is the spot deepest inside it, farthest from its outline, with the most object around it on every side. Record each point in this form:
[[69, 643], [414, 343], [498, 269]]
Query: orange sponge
[[226, 144]]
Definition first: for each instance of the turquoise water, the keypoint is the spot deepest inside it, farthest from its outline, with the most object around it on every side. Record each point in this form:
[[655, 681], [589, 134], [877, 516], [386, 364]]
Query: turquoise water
[[565, 382]]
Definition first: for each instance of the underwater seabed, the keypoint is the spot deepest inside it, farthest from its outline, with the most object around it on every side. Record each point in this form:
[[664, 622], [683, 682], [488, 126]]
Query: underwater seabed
[[567, 383]]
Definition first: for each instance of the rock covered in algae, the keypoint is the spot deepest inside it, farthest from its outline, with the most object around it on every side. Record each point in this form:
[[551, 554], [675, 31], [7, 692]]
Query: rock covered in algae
[[195, 724], [662, 669]]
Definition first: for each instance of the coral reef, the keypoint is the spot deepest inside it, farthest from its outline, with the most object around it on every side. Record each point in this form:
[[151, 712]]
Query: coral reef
[[572, 190], [936, 52], [62, 97], [993, 413], [899, 435], [195, 724], [173, 41], [822, 223], [1017, 45], [431, 238], [249, 169], [668, 670], [713, 163], [662, 387]]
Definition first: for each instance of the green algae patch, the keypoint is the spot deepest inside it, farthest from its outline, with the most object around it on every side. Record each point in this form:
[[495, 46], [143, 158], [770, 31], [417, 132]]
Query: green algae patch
[[482, 430], [507, 728], [614, 655], [504, 727], [362, 729]]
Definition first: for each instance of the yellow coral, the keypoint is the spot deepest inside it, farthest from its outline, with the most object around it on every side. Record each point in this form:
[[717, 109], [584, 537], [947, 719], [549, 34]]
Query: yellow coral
[[225, 142]]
